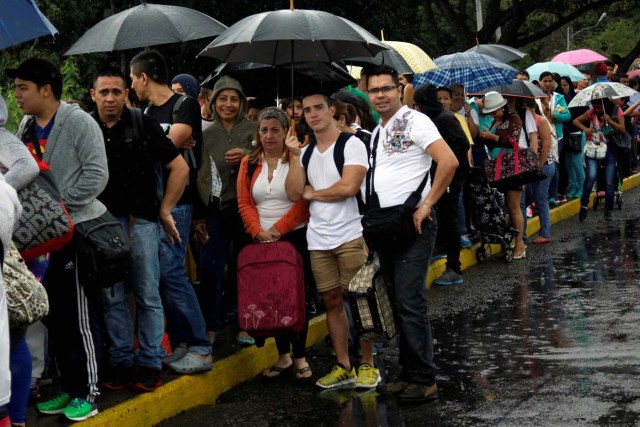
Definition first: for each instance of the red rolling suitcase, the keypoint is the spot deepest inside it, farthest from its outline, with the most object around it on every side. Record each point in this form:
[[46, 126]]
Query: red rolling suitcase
[[271, 297]]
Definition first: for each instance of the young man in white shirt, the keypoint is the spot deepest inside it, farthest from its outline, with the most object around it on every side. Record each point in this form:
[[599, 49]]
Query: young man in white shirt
[[334, 234], [405, 143]]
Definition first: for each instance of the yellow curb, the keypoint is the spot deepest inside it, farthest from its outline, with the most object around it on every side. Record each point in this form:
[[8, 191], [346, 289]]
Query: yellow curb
[[188, 392]]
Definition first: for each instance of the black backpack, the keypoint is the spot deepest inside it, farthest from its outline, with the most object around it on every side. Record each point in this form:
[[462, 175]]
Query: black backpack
[[338, 158]]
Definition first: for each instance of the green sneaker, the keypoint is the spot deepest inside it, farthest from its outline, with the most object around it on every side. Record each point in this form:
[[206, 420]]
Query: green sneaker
[[368, 376], [338, 376], [55, 405], [80, 410]]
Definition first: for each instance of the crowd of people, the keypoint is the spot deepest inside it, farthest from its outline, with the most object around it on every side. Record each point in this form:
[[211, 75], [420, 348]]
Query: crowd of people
[[200, 173]]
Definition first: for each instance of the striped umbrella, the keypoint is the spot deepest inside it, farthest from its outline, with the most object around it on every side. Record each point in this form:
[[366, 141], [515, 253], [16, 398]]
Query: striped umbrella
[[474, 70]]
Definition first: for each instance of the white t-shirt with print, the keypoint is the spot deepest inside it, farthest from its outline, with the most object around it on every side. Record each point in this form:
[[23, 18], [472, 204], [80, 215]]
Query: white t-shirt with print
[[401, 159], [333, 223]]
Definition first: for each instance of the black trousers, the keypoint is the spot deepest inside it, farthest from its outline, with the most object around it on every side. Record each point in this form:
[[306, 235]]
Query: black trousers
[[72, 324], [448, 234]]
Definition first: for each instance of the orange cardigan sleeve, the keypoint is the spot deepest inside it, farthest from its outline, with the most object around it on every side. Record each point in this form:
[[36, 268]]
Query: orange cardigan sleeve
[[246, 205], [298, 214]]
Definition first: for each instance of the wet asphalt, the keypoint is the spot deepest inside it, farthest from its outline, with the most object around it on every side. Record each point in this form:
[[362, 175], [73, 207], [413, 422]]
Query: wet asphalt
[[551, 340]]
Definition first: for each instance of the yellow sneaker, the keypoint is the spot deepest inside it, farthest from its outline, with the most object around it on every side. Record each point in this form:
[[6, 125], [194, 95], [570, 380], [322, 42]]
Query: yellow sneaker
[[339, 376], [368, 376]]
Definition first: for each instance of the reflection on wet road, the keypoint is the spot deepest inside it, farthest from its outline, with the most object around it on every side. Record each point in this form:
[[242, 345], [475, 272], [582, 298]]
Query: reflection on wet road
[[550, 341]]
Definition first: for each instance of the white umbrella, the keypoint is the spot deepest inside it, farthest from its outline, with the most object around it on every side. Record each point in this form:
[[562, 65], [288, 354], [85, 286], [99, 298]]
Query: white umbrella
[[600, 91]]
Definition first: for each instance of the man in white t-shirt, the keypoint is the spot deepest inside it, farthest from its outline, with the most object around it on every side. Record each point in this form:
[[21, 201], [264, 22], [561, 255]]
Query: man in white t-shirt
[[405, 143], [334, 234]]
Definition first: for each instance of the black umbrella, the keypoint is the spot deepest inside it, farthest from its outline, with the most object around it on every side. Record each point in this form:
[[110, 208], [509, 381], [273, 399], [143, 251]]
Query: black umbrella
[[268, 81], [292, 35], [146, 25], [389, 57], [499, 51], [517, 88]]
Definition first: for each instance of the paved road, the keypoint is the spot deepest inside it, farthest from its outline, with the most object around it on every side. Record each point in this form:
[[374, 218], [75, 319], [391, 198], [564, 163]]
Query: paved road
[[552, 340]]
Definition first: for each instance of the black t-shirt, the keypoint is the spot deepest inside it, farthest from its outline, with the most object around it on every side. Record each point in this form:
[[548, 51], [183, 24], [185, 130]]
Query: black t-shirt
[[188, 113], [132, 185]]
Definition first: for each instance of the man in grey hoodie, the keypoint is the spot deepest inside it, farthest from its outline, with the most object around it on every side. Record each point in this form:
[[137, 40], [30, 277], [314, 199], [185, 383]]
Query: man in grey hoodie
[[70, 141]]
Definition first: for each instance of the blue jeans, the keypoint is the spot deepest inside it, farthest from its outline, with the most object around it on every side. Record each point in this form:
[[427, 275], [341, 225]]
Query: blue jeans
[[540, 192], [575, 171], [144, 277], [610, 172], [553, 185], [406, 272], [185, 323]]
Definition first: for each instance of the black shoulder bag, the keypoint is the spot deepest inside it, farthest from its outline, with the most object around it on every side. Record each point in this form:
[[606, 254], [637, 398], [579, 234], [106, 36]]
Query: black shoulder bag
[[389, 228]]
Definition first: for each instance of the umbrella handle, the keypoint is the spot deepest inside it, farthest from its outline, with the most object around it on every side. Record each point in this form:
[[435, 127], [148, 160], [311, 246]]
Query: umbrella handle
[[290, 4]]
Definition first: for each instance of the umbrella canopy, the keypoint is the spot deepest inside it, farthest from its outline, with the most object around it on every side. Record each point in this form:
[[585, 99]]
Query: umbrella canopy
[[21, 21], [633, 73], [499, 51], [417, 58], [600, 91], [578, 57], [561, 68], [292, 35], [517, 88], [146, 25], [389, 57], [474, 70], [268, 81]]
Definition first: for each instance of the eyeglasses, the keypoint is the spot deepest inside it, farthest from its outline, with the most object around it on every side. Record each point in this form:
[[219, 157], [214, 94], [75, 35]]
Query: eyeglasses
[[383, 89]]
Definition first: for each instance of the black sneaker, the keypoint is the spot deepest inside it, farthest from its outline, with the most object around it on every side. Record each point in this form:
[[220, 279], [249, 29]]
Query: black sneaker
[[147, 379], [119, 377], [608, 215], [395, 387], [583, 214], [415, 392]]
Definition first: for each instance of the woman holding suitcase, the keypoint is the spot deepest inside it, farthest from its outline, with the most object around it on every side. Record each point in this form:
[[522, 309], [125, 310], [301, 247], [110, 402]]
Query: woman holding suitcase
[[269, 216]]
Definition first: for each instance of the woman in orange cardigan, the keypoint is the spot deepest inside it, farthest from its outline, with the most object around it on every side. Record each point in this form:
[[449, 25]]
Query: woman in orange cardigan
[[269, 216]]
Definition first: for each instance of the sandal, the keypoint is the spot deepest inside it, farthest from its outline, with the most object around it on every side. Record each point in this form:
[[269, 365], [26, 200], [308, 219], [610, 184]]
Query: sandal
[[277, 369], [301, 372]]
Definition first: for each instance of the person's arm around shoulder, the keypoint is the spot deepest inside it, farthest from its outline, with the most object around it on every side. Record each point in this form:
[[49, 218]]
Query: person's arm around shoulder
[[90, 149], [296, 177], [447, 165]]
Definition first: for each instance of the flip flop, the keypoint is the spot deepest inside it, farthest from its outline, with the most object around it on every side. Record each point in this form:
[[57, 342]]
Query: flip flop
[[302, 371], [277, 369]]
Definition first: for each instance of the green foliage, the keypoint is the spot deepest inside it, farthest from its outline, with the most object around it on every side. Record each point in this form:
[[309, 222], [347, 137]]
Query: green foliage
[[14, 113]]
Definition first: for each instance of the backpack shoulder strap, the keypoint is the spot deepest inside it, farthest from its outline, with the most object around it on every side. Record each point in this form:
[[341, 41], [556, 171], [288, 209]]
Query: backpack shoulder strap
[[338, 150], [176, 107], [137, 125], [306, 158]]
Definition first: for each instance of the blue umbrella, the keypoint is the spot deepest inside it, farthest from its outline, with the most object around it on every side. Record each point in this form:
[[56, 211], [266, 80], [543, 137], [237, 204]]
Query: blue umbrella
[[555, 67], [21, 21], [474, 70]]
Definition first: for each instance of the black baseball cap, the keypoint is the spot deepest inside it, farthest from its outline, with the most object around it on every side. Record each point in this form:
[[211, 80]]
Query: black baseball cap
[[39, 71]]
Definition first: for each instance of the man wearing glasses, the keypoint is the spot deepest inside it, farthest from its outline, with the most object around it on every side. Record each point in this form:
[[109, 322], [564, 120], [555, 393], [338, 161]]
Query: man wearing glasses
[[404, 145]]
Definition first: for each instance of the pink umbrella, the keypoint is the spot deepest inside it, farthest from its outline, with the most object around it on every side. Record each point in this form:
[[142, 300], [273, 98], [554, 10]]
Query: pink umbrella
[[633, 73], [579, 57]]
